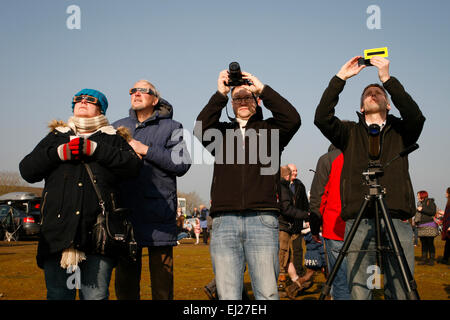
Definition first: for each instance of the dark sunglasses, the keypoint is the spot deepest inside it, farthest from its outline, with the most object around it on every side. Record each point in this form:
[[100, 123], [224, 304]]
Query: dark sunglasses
[[89, 99], [142, 90]]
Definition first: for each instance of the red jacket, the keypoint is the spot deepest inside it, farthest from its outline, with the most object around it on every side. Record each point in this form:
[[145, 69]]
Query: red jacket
[[325, 194]]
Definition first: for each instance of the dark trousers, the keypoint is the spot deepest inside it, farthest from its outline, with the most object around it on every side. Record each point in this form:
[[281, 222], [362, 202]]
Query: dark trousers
[[447, 249], [205, 235], [428, 246], [297, 248], [128, 275]]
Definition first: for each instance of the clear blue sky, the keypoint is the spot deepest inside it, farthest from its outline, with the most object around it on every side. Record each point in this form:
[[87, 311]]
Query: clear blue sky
[[181, 46]]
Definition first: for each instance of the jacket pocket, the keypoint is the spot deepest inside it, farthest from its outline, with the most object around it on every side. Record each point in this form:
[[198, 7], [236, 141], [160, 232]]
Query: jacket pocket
[[216, 222]]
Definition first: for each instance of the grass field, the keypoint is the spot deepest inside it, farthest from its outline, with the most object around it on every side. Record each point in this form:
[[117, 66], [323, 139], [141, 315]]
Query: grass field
[[21, 279]]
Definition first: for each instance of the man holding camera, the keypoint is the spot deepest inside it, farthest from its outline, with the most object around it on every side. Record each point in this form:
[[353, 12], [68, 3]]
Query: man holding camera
[[244, 204], [353, 139]]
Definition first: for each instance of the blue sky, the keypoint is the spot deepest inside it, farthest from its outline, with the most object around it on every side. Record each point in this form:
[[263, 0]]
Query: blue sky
[[181, 46]]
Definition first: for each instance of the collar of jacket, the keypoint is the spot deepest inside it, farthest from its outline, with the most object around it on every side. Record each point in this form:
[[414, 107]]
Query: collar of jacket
[[296, 182], [257, 116], [285, 182], [62, 127], [389, 120], [163, 110]]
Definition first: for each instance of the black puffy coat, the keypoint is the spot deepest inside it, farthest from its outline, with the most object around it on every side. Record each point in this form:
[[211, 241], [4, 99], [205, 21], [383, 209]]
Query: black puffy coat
[[69, 203], [428, 211], [290, 216]]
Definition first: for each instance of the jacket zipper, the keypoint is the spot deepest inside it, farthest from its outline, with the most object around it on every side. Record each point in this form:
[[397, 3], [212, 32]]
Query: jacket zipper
[[42, 207]]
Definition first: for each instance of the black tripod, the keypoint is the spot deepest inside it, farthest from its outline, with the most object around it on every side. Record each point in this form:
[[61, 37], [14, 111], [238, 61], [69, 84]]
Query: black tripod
[[376, 197]]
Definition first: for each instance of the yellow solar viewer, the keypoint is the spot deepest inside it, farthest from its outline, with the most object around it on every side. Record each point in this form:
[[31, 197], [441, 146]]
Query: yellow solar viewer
[[370, 53]]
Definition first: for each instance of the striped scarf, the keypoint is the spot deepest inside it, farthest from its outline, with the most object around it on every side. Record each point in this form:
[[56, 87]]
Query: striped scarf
[[71, 256], [87, 125]]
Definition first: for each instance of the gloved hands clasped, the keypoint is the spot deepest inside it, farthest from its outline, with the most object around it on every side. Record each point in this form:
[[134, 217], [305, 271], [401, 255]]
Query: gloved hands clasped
[[76, 148]]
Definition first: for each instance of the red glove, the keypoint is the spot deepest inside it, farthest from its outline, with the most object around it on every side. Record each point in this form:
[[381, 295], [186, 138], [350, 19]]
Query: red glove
[[77, 147]]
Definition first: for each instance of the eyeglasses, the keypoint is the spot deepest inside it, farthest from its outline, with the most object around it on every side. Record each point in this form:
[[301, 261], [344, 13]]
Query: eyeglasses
[[142, 90], [89, 99], [241, 100]]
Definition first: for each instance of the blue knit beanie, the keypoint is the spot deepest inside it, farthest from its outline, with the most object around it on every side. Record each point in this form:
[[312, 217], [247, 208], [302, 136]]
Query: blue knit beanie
[[94, 93]]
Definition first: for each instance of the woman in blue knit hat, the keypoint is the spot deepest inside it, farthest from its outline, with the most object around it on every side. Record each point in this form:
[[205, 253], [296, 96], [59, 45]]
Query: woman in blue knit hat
[[69, 203]]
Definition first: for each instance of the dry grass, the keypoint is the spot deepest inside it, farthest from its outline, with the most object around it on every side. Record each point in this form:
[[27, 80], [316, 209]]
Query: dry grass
[[21, 279]]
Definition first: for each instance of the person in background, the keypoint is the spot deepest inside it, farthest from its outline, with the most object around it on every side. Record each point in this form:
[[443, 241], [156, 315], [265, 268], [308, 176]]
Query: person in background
[[204, 214], [197, 229], [325, 200], [195, 213], [427, 228], [301, 202], [446, 230], [290, 221]]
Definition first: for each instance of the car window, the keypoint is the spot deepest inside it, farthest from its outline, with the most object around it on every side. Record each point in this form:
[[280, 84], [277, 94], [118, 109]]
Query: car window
[[3, 210]]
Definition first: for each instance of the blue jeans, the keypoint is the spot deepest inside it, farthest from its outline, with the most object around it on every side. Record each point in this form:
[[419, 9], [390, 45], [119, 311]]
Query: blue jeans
[[92, 278], [339, 288], [248, 237], [182, 235], [362, 272]]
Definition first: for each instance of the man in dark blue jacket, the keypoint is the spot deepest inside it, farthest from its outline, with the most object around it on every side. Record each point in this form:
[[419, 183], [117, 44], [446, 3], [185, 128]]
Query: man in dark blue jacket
[[153, 195]]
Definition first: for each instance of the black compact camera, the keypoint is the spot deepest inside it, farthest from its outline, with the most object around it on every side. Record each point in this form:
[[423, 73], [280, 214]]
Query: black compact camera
[[235, 76]]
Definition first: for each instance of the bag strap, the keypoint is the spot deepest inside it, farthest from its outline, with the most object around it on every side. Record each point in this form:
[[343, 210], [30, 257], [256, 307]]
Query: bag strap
[[94, 184]]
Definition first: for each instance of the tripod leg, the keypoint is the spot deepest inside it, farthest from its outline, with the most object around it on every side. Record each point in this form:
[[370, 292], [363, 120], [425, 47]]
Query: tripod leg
[[378, 238], [408, 280], [348, 240]]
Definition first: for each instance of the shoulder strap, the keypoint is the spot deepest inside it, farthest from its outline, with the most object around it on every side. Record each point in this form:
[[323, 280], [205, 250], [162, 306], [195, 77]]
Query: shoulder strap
[[94, 184]]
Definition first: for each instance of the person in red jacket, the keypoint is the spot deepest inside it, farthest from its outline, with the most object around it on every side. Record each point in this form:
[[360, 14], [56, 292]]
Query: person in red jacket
[[325, 199]]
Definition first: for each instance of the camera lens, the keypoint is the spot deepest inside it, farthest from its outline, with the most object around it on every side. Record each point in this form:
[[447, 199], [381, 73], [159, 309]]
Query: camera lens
[[234, 67]]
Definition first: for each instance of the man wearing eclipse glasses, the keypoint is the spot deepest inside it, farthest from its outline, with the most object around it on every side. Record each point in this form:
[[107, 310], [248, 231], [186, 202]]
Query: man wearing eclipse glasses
[[153, 195]]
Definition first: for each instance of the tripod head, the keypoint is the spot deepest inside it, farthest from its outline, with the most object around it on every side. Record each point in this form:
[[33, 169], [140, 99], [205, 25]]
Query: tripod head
[[371, 175], [375, 170]]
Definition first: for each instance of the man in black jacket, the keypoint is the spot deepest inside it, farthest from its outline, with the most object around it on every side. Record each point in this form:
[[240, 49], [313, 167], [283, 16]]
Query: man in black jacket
[[244, 203], [301, 202], [291, 223], [352, 138]]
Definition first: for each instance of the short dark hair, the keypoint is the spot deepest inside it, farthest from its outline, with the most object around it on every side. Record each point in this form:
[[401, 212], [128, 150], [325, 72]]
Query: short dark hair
[[370, 86]]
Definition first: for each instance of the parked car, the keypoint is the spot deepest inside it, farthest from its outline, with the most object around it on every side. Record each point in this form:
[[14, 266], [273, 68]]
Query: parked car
[[18, 223], [20, 215]]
